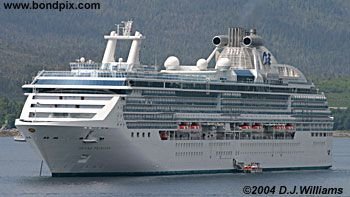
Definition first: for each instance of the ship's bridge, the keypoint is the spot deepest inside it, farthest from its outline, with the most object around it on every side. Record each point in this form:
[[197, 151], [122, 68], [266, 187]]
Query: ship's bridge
[[239, 57]]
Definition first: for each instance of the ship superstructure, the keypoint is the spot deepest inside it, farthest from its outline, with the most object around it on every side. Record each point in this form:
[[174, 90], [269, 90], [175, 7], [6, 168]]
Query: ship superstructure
[[124, 118]]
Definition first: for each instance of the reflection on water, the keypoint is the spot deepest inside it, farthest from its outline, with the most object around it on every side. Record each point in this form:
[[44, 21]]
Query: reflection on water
[[19, 176]]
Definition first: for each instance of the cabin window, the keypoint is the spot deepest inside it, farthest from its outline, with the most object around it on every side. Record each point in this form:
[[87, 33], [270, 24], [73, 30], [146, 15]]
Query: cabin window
[[138, 134], [132, 134], [149, 134]]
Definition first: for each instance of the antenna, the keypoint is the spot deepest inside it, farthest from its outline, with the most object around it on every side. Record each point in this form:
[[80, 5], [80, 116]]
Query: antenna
[[155, 59], [125, 28], [118, 27]]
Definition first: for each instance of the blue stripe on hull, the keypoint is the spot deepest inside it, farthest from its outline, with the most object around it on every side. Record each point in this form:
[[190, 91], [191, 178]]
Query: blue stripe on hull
[[96, 174]]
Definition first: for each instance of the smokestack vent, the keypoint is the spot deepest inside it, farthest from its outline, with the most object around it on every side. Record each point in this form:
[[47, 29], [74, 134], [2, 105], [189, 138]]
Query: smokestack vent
[[235, 36]]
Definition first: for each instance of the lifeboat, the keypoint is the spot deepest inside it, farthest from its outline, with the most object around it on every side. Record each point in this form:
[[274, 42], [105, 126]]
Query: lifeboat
[[257, 127], [245, 126], [289, 127], [183, 126], [186, 127], [279, 127], [195, 127]]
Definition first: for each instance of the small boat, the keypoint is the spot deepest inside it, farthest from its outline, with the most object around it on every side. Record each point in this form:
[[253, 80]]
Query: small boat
[[19, 138], [252, 168]]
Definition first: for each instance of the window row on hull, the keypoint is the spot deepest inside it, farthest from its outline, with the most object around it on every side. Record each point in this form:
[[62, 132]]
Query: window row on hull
[[227, 87], [263, 126], [79, 82]]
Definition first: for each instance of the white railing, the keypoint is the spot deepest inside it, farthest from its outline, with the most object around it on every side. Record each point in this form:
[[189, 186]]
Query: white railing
[[117, 74]]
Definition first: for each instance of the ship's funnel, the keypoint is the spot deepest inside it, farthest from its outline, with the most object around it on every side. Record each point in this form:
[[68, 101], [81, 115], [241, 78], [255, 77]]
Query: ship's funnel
[[252, 40], [134, 52], [110, 49], [235, 36], [220, 41]]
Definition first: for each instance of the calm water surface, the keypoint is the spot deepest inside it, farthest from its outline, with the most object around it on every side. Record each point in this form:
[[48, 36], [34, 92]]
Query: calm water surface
[[19, 176]]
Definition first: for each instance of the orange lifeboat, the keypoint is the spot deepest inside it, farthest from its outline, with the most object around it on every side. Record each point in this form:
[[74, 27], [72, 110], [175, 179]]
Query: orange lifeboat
[[245, 126], [289, 127], [183, 126], [279, 127], [257, 127], [195, 126]]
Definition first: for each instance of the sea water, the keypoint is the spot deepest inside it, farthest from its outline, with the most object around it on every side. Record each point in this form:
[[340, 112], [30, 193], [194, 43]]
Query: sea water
[[20, 168]]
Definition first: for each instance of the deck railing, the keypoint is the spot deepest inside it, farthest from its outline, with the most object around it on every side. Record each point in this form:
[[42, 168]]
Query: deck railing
[[96, 70]]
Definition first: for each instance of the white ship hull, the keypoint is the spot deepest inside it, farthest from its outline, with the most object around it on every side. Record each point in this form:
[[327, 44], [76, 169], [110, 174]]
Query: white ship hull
[[119, 154]]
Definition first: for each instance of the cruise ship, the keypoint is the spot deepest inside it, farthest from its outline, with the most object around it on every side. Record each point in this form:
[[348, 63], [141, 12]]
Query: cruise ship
[[120, 117]]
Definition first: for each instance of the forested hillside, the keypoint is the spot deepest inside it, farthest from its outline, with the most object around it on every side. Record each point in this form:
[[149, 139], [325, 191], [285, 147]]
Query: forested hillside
[[311, 35], [336, 89]]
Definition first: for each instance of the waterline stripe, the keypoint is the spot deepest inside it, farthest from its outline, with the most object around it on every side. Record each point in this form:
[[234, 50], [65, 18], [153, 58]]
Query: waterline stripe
[[97, 174]]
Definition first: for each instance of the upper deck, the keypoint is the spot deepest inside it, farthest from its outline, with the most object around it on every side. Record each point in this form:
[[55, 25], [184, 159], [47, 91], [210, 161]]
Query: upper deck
[[238, 59]]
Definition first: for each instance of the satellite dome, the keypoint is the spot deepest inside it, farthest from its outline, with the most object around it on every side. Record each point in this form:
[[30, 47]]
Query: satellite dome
[[202, 64], [223, 64], [172, 63]]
